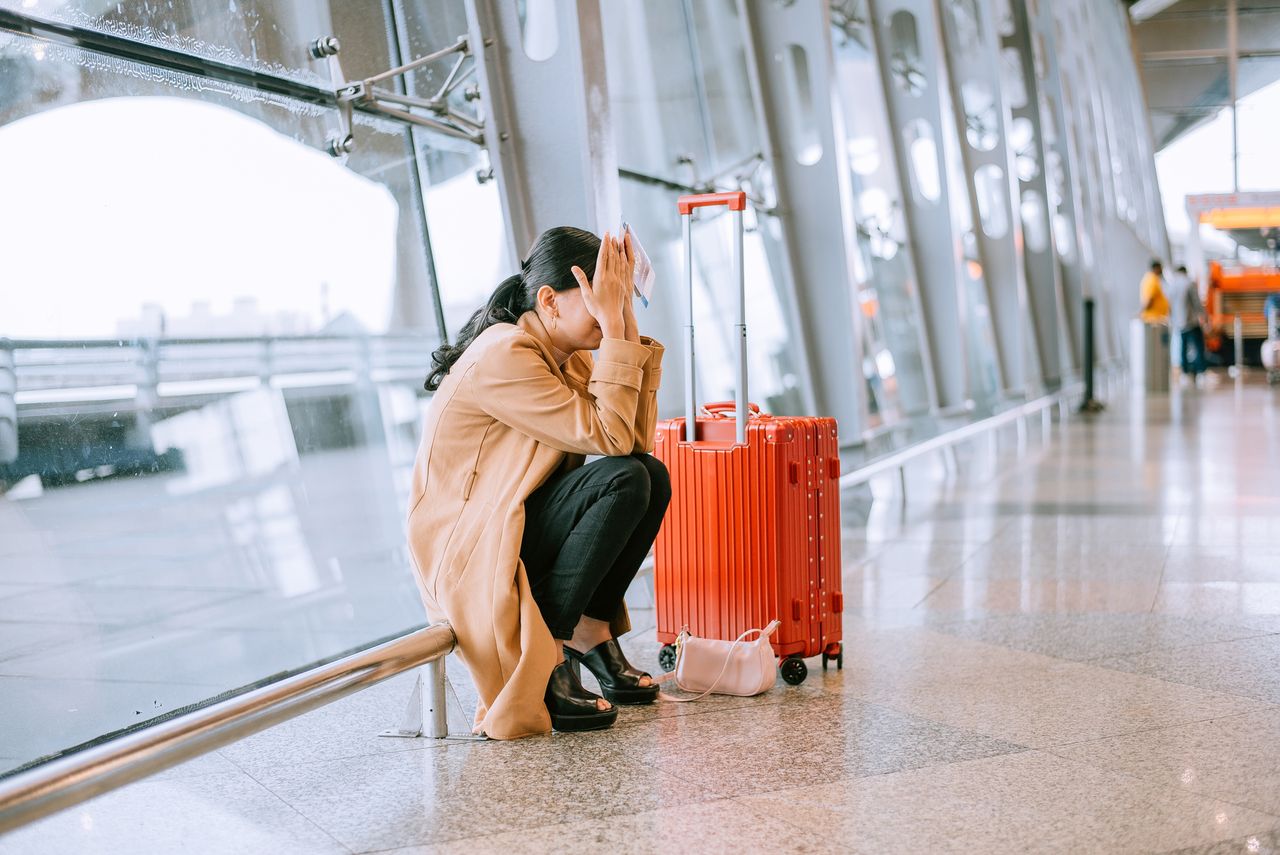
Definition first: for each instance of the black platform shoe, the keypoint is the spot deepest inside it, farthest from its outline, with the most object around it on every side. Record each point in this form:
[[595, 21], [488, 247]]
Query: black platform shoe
[[619, 682], [573, 707]]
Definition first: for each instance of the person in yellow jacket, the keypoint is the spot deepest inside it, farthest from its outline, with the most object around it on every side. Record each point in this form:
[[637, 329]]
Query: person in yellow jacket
[[1155, 305]]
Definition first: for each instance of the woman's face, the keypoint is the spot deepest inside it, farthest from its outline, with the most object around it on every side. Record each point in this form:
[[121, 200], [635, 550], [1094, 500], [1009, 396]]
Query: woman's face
[[571, 326]]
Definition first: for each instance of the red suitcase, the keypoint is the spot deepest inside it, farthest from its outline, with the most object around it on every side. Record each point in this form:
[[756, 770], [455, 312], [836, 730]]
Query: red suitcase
[[753, 530]]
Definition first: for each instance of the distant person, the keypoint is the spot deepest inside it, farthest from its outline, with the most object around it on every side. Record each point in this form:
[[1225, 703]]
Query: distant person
[[1190, 319], [522, 548], [1155, 305]]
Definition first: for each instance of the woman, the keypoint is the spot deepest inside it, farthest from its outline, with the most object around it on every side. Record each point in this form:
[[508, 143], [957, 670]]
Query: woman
[[522, 548]]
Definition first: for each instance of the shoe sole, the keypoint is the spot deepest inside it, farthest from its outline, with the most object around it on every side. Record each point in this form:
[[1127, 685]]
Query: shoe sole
[[579, 723], [632, 698]]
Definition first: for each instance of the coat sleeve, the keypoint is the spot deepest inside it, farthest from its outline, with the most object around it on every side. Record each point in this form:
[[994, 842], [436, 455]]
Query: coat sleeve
[[647, 409], [514, 384]]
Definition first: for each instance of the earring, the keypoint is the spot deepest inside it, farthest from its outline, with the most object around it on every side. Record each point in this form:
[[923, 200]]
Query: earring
[[555, 320]]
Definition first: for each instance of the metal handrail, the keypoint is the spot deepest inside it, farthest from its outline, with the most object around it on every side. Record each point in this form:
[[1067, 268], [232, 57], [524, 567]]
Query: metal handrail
[[899, 459], [67, 781], [65, 343]]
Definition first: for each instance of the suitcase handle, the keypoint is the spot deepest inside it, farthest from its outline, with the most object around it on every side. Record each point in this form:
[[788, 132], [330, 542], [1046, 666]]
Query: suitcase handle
[[719, 408], [737, 202]]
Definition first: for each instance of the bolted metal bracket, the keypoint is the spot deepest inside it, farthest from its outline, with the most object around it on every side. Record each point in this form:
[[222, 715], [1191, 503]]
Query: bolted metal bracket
[[435, 724], [435, 113]]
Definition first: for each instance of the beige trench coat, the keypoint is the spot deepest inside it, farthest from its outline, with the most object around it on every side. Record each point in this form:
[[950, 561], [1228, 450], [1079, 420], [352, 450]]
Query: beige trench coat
[[505, 419]]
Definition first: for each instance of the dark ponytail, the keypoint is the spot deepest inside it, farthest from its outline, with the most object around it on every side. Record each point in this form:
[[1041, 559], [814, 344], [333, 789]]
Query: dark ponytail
[[551, 261]]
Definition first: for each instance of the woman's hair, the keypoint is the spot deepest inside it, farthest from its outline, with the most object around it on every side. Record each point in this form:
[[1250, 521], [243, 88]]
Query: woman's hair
[[551, 261]]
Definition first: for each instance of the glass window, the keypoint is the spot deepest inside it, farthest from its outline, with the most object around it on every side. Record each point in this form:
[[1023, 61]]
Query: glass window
[[1012, 83], [1022, 139], [680, 91], [967, 24], [926, 178], [773, 378], [905, 61], [463, 210], [981, 120], [864, 155], [1005, 24], [888, 298], [806, 145], [271, 36], [979, 334], [713, 34], [217, 343], [992, 193], [1035, 228], [683, 113], [468, 243], [539, 29], [1064, 238]]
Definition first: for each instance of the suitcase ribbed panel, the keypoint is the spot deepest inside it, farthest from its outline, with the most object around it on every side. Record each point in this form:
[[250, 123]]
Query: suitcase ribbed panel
[[742, 544]]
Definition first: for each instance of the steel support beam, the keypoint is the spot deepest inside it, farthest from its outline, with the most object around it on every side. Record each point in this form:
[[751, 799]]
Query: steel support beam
[[982, 120], [1070, 236], [912, 73], [1233, 76], [547, 122], [1085, 102], [1145, 9], [790, 58], [1043, 273]]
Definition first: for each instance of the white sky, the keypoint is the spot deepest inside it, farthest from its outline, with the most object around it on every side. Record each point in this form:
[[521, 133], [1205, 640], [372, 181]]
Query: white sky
[[1200, 161], [109, 204]]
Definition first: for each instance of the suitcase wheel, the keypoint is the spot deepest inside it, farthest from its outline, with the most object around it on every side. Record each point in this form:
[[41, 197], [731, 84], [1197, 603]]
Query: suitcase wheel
[[794, 670], [667, 658], [837, 657]]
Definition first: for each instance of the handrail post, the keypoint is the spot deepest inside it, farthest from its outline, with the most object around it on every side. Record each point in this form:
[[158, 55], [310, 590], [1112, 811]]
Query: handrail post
[[8, 403], [1090, 403], [1237, 370], [438, 698], [266, 368], [147, 396]]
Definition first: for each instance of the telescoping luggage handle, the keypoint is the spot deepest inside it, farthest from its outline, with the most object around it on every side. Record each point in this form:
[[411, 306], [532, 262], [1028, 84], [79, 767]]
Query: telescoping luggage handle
[[737, 202]]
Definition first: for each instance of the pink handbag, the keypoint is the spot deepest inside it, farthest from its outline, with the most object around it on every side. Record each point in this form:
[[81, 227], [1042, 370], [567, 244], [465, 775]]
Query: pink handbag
[[743, 668]]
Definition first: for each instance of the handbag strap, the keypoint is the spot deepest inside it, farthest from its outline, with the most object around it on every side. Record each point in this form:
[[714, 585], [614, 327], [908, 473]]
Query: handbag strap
[[728, 657]]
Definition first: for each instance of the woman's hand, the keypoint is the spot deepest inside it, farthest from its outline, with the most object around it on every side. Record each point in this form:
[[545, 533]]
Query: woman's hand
[[608, 297], [631, 328]]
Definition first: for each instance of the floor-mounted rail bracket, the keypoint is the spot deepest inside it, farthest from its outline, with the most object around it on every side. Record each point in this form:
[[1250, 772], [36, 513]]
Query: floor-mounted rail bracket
[[436, 113], [429, 716]]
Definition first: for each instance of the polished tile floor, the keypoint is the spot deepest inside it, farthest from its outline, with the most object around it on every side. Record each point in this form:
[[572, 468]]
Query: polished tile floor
[[1069, 643]]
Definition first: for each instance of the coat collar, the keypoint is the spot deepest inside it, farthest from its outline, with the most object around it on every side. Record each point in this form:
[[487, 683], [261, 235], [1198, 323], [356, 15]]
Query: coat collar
[[531, 323]]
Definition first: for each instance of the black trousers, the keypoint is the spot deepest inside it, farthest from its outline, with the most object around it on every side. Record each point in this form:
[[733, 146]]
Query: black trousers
[[585, 534]]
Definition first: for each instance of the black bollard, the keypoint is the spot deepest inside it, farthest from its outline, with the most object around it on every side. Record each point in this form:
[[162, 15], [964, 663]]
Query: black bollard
[[1090, 403]]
